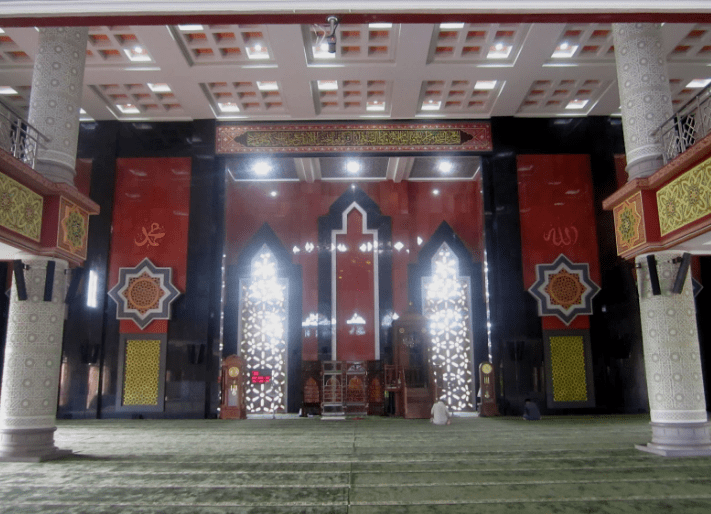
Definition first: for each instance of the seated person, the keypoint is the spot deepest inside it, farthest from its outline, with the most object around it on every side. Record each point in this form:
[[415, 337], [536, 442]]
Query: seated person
[[440, 414], [530, 411]]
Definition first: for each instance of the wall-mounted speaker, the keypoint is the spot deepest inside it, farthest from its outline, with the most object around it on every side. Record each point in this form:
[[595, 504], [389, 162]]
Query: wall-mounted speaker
[[653, 275], [49, 281], [681, 273], [19, 269]]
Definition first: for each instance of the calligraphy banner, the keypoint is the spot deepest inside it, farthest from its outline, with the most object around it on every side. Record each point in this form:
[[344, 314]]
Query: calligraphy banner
[[556, 206], [150, 219], [440, 137]]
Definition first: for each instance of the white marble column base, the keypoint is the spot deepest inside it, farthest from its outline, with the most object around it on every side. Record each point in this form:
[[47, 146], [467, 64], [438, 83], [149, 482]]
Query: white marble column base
[[679, 440]]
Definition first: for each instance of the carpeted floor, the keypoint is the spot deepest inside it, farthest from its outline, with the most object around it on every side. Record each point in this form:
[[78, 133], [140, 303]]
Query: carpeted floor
[[371, 465]]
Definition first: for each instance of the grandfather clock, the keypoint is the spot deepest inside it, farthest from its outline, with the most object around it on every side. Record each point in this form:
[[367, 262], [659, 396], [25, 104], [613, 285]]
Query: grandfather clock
[[488, 392], [232, 377]]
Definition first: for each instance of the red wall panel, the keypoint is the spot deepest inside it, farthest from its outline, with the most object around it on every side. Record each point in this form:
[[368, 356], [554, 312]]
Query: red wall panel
[[293, 213], [557, 216], [152, 196]]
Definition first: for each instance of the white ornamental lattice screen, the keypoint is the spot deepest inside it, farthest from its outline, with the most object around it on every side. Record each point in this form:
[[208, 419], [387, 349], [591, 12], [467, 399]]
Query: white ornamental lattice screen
[[263, 332], [447, 307]]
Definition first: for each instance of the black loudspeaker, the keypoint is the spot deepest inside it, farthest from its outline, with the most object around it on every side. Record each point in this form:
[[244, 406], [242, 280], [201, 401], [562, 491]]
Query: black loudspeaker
[[49, 281], [653, 275], [77, 275], [19, 270], [681, 273]]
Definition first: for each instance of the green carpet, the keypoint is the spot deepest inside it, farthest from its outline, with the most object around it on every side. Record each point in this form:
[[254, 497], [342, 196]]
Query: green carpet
[[371, 465]]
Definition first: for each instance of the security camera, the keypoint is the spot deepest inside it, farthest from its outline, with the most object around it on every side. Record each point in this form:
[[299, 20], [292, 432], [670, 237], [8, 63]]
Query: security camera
[[331, 42]]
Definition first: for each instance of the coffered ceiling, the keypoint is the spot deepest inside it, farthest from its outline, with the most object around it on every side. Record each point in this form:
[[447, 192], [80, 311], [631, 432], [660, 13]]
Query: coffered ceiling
[[282, 72]]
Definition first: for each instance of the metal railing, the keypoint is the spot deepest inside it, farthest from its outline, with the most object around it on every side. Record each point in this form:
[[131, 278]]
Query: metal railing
[[687, 126], [18, 137]]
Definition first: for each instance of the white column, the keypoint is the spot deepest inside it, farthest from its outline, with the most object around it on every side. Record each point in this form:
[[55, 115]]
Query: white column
[[645, 97], [55, 99], [33, 352], [672, 362]]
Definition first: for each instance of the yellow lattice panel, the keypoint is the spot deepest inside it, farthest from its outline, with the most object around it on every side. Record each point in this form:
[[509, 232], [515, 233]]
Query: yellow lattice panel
[[568, 369], [141, 372]]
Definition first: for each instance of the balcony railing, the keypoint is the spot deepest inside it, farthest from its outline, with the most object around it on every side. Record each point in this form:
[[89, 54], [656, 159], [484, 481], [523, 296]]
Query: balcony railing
[[18, 137], [687, 126]]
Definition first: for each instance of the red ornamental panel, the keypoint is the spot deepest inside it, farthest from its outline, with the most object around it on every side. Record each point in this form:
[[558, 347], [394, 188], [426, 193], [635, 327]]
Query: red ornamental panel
[[150, 219], [558, 218]]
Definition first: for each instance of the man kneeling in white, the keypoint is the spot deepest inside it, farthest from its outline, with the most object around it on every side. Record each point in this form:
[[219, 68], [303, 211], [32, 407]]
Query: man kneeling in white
[[440, 414]]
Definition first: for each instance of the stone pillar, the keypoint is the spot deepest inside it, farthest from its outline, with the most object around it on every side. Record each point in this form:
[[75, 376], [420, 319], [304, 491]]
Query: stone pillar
[[645, 97], [33, 352], [55, 99], [672, 362]]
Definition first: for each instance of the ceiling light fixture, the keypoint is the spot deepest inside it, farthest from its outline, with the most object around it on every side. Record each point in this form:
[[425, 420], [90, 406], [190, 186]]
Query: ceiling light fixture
[[190, 28], [485, 85], [128, 108], [261, 168], [7, 90], [353, 166], [499, 51], [698, 83], [160, 88], [445, 166], [137, 54], [564, 51], [257, 51], [380, 25], [577, 104], [451, 26], [228, 107], [375, 105], [431, 105], [435, 192], [327, 85], [268, 85]]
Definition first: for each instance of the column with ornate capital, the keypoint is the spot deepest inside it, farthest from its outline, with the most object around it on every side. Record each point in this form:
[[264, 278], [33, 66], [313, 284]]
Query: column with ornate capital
[[55, 99], [645, 97], [672, 362], [33, 352]]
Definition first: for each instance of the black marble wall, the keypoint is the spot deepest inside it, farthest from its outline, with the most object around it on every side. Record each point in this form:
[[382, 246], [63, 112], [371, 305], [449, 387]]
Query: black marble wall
[[91, 334]]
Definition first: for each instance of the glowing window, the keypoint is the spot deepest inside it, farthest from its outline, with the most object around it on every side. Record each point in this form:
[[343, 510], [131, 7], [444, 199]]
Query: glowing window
[[263, 332], [447, 307]]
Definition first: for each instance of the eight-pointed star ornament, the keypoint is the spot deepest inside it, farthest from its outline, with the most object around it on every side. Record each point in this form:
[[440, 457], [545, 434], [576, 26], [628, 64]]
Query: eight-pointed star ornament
[[144, 293], [564, 289]]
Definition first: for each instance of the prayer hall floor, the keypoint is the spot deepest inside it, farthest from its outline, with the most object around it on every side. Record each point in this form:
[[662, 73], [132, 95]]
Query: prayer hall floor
[[569, 464]]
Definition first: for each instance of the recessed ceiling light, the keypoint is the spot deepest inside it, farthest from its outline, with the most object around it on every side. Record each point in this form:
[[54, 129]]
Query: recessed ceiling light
[[375, 105], [577, 104], [261, 168], [445, 166], [431, 105], [2, 31], [450, 26], [257, 51], [228, 107], [398, 246], [7, 90], [435, 192], [499, 51], [273, 194], [564, 51], [485, 84], [327, 85], [137, 54], [128, 108], [380, 25], [353, 166], [159, 87], [190, 28], [699, 83], [267, 85]]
